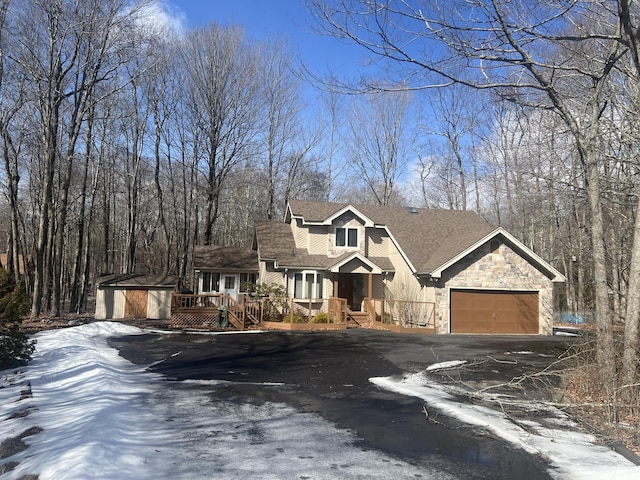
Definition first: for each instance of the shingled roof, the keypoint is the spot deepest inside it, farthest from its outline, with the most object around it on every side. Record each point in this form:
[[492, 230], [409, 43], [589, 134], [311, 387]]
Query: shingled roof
[[428, 237], [275, 242], [136, 280], [209, 257]]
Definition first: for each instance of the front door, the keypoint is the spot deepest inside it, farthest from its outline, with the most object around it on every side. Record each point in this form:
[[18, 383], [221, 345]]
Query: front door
[[350, 286], [229, 285]]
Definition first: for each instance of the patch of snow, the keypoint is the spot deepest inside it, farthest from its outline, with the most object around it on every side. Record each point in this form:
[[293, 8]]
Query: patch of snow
[[566, 334], [445, 365], [574, 455]]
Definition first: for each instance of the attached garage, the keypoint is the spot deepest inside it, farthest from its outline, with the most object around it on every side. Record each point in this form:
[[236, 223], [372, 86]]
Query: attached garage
[[135, 296], [494, 311]]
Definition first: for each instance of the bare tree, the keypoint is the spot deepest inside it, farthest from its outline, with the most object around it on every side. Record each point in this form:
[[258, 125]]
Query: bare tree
[[455, 119], [224, 85], [283, 107], [11, 102], [379, 138]]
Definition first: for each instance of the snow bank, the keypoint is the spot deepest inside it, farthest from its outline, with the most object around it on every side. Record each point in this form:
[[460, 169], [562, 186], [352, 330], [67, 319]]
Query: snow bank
[[574, 455]]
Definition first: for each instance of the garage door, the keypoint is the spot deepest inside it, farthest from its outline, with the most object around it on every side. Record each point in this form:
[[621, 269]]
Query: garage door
[[482, 311]]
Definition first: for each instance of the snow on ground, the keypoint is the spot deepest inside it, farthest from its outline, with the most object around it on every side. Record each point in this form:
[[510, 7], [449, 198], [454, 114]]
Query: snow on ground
[[574, 455], [103, 417]]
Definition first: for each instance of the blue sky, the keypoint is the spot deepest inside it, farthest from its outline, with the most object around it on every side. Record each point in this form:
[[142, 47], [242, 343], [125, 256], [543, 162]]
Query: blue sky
[[262, 18]]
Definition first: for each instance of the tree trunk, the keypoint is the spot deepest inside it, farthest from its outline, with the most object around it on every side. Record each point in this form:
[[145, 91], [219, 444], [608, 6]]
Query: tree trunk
[[630, 351]]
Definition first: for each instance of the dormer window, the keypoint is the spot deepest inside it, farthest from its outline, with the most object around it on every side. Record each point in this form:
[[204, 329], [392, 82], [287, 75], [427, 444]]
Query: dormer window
[[346, 237]]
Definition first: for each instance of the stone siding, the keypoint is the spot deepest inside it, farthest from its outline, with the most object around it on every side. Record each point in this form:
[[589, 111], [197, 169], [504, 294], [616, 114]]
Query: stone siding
[[502, 269]]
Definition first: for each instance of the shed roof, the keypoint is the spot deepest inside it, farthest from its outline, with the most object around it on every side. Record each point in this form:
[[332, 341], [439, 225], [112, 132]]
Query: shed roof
[[134, 280]]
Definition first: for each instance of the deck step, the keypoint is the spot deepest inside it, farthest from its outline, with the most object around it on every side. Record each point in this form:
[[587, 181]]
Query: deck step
[[357, 318]]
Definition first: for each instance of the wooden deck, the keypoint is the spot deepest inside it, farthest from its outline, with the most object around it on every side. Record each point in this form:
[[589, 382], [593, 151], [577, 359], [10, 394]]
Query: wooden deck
[[221, 312]]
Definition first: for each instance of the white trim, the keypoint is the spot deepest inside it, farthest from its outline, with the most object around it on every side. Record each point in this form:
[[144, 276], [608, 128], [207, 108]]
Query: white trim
[[557, 276], [329, 220], [367, 221], [335, 268]]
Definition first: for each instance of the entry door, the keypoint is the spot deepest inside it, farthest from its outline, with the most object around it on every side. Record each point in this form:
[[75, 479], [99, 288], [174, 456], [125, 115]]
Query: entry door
[[229, 285], [350, 287]]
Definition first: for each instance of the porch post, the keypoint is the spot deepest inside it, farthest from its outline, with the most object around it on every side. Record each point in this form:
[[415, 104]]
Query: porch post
[[335, 286], [370, 286]]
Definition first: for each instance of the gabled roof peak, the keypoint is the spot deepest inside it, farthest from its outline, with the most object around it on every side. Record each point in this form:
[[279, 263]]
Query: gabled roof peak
[[322, 213]]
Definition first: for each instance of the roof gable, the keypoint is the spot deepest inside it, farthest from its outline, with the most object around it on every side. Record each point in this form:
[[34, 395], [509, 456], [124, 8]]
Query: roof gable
[[369, 265], [522, 249], [319, 213], [425, 237]]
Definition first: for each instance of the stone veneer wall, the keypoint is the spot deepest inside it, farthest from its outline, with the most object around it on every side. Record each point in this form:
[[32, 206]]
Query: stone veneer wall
[[504, 269]]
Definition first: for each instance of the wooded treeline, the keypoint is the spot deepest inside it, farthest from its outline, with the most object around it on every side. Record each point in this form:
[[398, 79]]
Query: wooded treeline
[[562, 143], [125, 143]]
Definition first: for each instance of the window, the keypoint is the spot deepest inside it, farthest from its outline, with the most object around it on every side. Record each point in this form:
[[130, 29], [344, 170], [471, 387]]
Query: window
[[210, 282], [352, 237], [307, 285], [229, 283], [246, 278], [346, 237]]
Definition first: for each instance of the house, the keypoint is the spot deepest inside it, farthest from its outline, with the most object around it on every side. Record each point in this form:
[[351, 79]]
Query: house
[[224, 270], [447, 270], [134, 296]]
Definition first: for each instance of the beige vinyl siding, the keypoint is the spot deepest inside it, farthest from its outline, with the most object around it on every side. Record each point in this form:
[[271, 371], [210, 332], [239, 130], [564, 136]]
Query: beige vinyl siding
[[262, 272], [317, 240], [327, 286], [299, 233], [402, 283], [378, 242], [378, 287], [271, 277]]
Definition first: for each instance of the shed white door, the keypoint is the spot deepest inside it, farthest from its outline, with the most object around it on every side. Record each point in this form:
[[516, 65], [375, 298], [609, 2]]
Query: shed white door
[[495, 311]]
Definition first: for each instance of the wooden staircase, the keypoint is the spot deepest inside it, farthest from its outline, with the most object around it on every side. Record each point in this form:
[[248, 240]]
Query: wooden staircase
[[356, 319]]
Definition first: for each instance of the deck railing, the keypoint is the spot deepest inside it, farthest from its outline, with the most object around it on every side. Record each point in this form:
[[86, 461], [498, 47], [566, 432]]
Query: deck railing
[[192, 309], [403, 313]]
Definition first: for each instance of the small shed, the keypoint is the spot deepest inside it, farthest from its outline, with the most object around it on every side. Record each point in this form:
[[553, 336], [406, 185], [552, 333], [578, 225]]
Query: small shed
[[134, 296]]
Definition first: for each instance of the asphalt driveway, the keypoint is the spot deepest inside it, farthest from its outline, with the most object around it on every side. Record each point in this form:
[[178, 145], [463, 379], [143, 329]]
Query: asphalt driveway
[[327, 373]]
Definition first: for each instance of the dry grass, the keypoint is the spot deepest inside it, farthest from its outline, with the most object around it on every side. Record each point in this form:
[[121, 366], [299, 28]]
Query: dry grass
[[615, 420]]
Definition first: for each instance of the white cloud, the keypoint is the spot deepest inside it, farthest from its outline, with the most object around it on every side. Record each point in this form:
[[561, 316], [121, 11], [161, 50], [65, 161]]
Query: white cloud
[[163, 16]]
